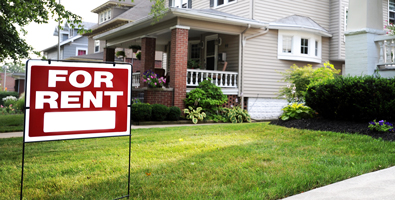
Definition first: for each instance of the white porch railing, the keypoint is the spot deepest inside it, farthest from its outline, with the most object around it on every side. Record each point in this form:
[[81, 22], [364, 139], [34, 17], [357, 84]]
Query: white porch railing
[[221, 79], [387, 51], [136, 79]]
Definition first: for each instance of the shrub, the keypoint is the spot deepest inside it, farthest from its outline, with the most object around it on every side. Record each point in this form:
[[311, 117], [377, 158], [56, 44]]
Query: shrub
[[141, 112], [159, 112], [9, 100], [353, 98], [237, 115], [174, 113], [208, 96], [20, 104], [296, 111], [300, 77], [381, 126], [194, 115], [4, 94]]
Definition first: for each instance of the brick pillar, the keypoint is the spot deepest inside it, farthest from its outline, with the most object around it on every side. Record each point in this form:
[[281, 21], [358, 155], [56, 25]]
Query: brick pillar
[[148, 46], [178, 64], [108, 54]]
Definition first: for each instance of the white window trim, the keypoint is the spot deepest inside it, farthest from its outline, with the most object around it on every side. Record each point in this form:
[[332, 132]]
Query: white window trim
[[226, 2], [282, 46], [296, 54], [94, 46], [345, 24], [178, 3], [388, 14], [208, 38], [79, 48], [105, 19]]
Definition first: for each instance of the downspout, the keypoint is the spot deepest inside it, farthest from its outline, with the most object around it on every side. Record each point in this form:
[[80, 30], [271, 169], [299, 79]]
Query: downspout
[[241, 55], [241, 69]]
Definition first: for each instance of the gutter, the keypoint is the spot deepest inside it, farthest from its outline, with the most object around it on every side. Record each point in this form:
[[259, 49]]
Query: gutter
[[241, 61]]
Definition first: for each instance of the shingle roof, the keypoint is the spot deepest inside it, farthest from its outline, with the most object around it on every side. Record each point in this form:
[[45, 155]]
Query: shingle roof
[[298, 22]]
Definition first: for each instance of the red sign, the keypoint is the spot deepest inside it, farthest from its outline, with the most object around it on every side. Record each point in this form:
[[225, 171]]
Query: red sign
[[67, 100]]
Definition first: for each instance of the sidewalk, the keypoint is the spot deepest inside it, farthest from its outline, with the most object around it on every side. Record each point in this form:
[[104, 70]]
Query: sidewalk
[[378, 185]]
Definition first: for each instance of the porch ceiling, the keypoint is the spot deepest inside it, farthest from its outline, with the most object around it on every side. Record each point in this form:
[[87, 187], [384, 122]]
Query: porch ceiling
[[199, 23]]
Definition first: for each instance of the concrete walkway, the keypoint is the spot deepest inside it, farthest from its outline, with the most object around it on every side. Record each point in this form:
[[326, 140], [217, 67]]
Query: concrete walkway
[[379, 185]]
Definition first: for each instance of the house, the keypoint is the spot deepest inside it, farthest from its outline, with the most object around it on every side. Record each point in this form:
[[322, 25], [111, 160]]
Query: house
[[247, 43], [113, 14], [71, 43]]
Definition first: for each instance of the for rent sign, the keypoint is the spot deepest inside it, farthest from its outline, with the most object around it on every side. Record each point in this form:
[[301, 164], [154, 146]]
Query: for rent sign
[[70, 100]]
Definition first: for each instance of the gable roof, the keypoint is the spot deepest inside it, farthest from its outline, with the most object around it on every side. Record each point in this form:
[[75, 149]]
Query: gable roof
[[140, 10], [64, 42], [300, 23], [111, 3]]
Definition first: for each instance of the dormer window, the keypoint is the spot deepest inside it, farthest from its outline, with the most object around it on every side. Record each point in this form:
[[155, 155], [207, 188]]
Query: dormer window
[[71, 34], [105, 16], [180, 3]]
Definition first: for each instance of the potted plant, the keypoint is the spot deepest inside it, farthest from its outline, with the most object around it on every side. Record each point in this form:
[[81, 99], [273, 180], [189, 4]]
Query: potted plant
[[138, 55], [120, 54], [135, 48], [193, 64]]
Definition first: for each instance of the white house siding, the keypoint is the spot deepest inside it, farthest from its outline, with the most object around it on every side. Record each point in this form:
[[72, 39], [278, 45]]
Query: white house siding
[[344, 5], [52, 55], [200, 4], [385, 12], [230, 45], [335, 26], [240, 8]]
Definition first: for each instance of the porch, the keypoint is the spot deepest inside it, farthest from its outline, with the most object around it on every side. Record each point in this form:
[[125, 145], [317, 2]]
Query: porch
[[386, 55]]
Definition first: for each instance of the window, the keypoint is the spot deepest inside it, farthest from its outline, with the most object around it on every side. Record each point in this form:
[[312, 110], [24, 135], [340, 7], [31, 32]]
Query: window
[[304, 46], [195, 52], [297, 45], [81, 51], [215, 3], [391, 9], [97, 46], [180, 3], [71, 32], [287, 44], [104, 16]]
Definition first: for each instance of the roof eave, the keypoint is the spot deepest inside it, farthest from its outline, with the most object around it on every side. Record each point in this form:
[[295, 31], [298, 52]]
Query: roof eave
[[300, 28]]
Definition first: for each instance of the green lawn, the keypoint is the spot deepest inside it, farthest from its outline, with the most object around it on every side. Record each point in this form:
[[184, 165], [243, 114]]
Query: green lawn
[[227, 161], [11, 123]]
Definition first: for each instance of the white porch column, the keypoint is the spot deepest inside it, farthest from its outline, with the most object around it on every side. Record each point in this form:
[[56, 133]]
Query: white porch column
[[365, 21]]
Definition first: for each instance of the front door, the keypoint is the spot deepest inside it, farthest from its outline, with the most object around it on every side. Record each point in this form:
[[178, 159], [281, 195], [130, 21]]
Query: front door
[[211, 52]]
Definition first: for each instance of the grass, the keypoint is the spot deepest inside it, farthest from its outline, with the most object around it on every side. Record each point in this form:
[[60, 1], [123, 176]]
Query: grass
[[11, 123], [228, 161]]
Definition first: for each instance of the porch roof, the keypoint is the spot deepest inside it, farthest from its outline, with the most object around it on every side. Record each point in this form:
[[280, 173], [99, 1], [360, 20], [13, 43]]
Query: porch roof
[[207, 15], [299, 23]]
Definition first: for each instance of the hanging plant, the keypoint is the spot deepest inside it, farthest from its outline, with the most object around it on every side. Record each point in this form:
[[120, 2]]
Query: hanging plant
[[138, 55], [135, 48], [120, 54]]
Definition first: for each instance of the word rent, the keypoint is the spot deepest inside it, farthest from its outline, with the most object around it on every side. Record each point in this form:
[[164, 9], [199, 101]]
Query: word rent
[[71, 99]]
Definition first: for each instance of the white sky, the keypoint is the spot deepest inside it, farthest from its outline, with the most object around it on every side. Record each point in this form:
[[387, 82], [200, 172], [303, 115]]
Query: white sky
[[40, 36]]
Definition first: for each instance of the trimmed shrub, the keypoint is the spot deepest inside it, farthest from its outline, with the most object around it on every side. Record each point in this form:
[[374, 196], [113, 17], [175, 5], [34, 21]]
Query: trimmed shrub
[[159, 112], [141, 112], [4, 94], [353, 98], [174, 113]]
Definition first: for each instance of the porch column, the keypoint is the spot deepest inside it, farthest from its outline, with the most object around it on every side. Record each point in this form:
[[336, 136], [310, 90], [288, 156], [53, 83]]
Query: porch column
[[148, 47], [178, 64], [364, 23], [108, 54]]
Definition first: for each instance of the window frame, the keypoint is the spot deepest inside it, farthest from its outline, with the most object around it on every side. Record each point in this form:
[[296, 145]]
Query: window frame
[[290, 48], [393, 11], [226, 2], [82, 49], [105, 16], [296, 54], [304, 46], [94, 46]]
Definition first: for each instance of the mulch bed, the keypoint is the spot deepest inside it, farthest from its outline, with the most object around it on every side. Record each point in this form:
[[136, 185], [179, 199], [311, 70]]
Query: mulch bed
[[335, 126]]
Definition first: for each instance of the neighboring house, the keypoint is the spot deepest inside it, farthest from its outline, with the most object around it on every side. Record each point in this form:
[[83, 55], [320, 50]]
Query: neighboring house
[[245, 42], [113, 14], [15, 82], [71, 43]]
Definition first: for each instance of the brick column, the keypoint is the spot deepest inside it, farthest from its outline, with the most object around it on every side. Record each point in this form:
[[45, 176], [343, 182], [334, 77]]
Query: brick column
[[178, 64], [108, 54], [148, 47]]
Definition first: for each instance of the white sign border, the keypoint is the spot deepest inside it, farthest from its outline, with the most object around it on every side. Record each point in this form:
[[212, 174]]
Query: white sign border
[[31, 63]]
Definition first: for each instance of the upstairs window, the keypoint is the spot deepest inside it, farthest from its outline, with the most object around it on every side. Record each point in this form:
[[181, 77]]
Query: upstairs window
[[71, 32], [216, 3], [97, 46], [180, 3], [104, 16]]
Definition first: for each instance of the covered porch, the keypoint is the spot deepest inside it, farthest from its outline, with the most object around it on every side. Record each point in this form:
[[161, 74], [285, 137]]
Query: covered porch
[[197, 45]]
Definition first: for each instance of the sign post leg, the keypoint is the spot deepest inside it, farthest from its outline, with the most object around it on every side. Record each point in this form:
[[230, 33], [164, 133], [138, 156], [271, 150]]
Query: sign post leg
[[23, 166]]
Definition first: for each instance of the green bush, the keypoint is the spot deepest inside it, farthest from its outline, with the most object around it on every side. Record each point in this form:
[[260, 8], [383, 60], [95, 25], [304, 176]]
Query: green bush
[[237, 115], [174, 113], [208, 96], [296, 111], [300, 77], [20, 104], [159, 112], [141, 112], [4, 94], [194, 115], [353, 98]]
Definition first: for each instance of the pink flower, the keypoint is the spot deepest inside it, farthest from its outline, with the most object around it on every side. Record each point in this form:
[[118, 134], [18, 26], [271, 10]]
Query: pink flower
[[1, 105], [144, 80], [155, 83], [10, 105], [152, 76], [148, 79], [164, 80]]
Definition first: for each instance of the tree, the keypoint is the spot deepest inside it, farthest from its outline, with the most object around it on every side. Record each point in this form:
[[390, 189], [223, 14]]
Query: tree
[[14, 68], [16, 14]]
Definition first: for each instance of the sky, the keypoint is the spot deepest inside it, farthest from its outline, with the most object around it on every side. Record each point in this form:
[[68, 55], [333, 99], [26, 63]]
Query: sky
[[40, 36]]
